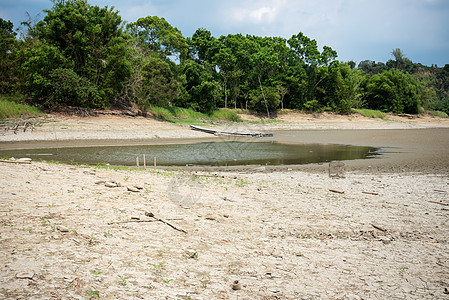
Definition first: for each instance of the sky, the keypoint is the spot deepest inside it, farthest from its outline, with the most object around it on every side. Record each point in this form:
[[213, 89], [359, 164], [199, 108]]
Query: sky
[[357, 29]]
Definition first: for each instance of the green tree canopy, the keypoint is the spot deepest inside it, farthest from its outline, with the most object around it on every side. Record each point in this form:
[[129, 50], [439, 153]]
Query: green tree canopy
[[159, 36]]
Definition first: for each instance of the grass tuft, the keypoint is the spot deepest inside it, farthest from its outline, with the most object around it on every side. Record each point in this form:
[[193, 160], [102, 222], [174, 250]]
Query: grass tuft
[[186, 115], [370, 113], [10, 108], [439, 114]]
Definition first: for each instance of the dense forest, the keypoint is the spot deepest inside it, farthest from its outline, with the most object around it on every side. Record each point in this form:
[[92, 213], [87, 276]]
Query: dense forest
[[87, 56]]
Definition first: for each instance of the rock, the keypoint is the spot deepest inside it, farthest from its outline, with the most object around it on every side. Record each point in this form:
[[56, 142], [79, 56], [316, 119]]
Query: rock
[[111, 184], [236, 285], [139, 187], [25, 275], [62, 228], [191, 253], [384, 240], [133, 189]]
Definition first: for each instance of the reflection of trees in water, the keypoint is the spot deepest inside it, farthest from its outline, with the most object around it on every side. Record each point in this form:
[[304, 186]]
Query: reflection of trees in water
[[233, 152]]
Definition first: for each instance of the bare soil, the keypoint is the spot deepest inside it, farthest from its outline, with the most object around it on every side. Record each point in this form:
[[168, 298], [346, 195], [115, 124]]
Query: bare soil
[[380, 231]]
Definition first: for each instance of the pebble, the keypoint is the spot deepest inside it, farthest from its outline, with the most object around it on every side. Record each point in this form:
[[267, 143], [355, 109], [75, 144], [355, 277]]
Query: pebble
[[191, 253], [384, 240], [111, 184], [133, 189], [62, 228]]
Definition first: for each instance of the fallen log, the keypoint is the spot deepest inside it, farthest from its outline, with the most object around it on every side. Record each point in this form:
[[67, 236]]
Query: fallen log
[[336, 191]]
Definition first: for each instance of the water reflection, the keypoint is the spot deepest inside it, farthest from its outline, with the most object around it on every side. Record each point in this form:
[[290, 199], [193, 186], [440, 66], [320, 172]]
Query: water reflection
[[210, 153]]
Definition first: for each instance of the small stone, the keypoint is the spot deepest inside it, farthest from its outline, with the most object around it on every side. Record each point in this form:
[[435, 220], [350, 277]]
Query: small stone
[[191, 253], [62, 228], [236, 285], [111, 184], [25, 275], [384, 240], [133, 189]]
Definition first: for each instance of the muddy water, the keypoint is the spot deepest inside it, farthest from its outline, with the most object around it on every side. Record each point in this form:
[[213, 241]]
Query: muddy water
[[230, 153]]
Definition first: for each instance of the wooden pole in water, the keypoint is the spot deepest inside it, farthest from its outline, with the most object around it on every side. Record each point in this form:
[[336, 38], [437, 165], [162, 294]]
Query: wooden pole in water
[[144, 162], [155, 162], [137, 161]]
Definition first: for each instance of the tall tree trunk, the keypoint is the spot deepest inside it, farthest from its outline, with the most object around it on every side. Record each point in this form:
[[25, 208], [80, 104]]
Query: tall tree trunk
[[264, 99]]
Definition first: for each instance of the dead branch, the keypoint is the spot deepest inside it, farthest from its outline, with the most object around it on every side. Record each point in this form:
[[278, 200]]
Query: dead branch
[[151, 215], [131, 221], [379, 228], [336, 191], [371, 193], [438, 202]]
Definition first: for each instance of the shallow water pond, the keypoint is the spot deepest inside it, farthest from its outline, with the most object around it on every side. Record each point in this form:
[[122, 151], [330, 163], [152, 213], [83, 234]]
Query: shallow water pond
[[205, 153]]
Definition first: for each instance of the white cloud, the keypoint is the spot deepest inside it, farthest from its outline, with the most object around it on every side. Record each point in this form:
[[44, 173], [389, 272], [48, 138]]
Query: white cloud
[[253, 12]]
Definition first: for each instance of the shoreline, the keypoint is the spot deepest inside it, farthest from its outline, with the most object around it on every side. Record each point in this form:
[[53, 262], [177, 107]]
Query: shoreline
[[417, 145]]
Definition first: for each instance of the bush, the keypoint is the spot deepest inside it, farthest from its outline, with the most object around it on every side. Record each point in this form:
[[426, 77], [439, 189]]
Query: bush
[[70, 89], [394, 91]]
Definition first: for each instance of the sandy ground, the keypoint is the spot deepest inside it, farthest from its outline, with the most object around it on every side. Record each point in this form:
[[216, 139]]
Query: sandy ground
[[381, 232]]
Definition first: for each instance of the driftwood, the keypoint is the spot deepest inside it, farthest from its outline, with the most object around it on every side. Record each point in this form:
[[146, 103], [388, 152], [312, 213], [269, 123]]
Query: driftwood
[[379, 228], [437, 202], [16, 161], [151, 215], [371, 193], [336, 191], [131, 221]]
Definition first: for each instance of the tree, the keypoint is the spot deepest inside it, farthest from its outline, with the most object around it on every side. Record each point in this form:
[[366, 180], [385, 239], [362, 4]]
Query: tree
[[159, 36], [202, 92], [8, 45], [88, 42], [152, 80], [394, 91]]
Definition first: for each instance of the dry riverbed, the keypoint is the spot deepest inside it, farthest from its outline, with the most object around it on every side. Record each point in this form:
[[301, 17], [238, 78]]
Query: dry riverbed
[[379, 232]]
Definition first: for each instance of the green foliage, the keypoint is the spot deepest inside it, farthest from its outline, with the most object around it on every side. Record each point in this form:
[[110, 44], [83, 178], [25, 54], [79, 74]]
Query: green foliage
[[225, 115], [80, 55], [184, 115], [151, 82], [159, 36], [260, 100], [68, 88], [393, 91], [88, 44], [8, 44]]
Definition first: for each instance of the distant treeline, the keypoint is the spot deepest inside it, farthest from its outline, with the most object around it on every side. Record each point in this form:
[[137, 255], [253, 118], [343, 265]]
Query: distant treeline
[[86, 56]]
